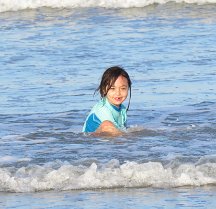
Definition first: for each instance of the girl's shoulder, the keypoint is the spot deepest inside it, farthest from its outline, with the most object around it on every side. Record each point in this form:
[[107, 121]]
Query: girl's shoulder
[[100, 106]]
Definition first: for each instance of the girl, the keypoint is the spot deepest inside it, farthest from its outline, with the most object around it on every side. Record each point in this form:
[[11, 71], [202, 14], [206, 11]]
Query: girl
[[109, 115]]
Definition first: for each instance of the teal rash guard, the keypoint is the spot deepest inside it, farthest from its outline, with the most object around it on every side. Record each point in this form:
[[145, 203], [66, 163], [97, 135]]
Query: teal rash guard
[[103, 111]]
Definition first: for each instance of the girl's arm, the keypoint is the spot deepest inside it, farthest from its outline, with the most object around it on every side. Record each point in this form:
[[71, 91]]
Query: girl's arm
[[108, 128]]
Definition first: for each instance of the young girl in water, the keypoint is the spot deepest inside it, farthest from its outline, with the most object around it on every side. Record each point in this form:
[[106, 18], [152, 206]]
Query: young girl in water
[[109, 115]]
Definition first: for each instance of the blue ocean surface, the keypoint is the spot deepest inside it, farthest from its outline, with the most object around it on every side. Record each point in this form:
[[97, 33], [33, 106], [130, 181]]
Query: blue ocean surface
[[52, 57]]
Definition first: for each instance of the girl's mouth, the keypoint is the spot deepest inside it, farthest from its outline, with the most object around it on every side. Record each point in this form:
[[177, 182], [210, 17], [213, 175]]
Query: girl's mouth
[[117, 99]]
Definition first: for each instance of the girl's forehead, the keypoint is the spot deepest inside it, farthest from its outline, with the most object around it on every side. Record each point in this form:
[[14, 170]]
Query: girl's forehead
[[121, 80]]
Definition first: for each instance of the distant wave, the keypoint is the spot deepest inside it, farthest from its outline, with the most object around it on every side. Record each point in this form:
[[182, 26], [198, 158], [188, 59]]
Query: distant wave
[[34, 178], [11, 5]]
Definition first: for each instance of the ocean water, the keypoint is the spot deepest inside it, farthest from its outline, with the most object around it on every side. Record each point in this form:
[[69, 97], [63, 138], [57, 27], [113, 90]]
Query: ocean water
[[52, 56]]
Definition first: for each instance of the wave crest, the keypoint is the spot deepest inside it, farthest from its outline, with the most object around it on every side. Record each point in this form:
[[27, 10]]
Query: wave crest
[[11, 5], [110, 175]]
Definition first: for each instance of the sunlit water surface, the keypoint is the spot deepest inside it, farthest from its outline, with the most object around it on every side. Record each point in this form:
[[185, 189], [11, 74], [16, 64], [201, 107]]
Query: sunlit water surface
[[51, 61]]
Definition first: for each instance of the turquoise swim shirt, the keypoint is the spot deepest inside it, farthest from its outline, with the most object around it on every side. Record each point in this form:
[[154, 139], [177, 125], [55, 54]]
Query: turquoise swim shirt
[[102, 111]]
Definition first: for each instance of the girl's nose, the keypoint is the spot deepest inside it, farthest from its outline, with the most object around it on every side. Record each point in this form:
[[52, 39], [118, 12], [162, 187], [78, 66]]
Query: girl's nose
[[118, 92]]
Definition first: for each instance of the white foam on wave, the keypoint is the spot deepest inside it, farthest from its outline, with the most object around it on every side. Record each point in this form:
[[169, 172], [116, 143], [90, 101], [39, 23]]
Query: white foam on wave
[[12, 159], [15, 5], [110, 175]]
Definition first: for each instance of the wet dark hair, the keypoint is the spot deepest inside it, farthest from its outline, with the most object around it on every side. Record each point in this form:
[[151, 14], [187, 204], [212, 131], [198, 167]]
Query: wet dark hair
[[109, 78]]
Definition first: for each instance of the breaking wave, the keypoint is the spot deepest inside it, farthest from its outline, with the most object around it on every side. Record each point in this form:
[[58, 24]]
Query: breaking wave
[[36, 178], [15, 5]]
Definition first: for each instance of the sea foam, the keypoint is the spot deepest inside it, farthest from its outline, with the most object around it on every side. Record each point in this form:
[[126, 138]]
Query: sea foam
[[111, 175], [15, 5]]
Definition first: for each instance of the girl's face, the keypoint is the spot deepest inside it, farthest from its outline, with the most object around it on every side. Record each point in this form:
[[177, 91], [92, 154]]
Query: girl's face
[[117, 94]]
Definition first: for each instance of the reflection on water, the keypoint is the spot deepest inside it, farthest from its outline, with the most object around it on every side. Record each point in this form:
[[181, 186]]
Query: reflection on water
[[114, 198]]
